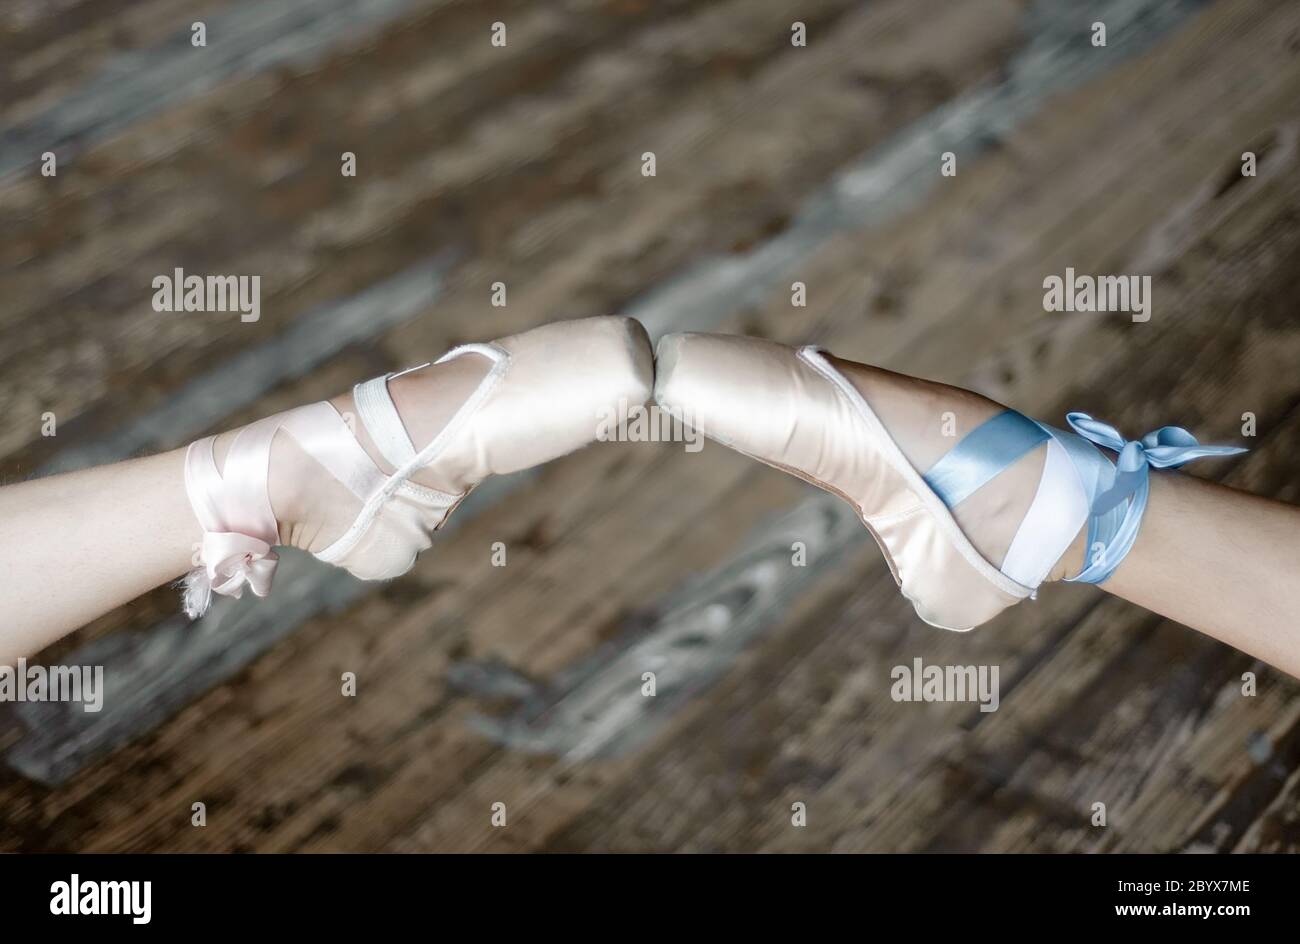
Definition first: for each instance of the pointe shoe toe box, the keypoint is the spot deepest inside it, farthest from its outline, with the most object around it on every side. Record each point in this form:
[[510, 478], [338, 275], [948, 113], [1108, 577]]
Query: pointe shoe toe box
[[742, 392], [562, 383]]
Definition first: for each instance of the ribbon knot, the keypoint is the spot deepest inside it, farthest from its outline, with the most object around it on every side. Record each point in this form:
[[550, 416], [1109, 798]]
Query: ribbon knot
[[1165, 448], [229, 562], [233, 560]]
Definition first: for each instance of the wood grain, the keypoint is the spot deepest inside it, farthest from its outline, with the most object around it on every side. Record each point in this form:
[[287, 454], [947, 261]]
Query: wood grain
[[521, 685]]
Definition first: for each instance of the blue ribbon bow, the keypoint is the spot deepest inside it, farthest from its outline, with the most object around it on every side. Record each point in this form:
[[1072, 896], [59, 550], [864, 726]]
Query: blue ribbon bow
[[1166, 448]]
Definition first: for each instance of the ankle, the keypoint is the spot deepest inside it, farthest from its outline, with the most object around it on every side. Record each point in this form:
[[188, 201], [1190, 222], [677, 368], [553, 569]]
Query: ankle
[[927, 419], [1071, 561], [310, 506]]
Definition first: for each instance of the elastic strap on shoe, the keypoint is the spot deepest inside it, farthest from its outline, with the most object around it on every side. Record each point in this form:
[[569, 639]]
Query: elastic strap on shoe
[[376, 411], [1058, 511]]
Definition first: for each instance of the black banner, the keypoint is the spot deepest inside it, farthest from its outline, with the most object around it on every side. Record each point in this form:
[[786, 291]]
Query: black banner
[[143, 894]]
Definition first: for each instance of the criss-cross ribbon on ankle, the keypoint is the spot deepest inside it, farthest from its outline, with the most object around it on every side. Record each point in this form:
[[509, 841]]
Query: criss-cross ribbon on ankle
[[1079, 485], [233, 503], [1112, 524]]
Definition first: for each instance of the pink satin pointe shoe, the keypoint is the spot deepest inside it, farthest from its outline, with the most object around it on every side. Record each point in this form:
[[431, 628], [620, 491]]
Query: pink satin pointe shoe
[[355, 488], [1023, 490]]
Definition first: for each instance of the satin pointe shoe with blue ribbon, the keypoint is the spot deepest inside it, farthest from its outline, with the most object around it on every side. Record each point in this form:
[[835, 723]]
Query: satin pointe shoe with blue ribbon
[[375, 497], [795, 410]]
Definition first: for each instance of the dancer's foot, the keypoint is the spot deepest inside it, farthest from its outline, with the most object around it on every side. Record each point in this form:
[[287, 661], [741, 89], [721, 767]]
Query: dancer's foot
[[926, 419], [362, 480], [973, 505]]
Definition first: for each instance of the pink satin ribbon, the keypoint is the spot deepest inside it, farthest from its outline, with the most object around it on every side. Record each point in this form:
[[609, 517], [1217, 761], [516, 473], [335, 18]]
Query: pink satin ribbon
[[234, 509], [232, 560], [233, 504]]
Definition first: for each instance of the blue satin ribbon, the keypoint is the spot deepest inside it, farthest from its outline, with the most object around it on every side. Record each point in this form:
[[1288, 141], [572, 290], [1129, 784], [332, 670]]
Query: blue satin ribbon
[[1112, 524], [982, 454], [1117, 493]]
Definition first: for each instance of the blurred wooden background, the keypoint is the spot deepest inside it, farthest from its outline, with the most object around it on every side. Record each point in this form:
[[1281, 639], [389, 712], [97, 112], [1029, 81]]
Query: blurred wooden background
[[520, 684]]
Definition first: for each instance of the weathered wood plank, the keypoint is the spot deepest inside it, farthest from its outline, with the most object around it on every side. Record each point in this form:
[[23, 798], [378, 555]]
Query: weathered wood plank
[[242, 39], [460, 656], [411, 198]]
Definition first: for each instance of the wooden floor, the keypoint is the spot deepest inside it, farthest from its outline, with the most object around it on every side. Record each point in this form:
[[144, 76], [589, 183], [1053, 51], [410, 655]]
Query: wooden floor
[[521, 685]]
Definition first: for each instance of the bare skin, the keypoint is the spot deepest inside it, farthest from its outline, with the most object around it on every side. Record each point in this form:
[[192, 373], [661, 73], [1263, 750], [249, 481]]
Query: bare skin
[[1221, 561], [76, 546]]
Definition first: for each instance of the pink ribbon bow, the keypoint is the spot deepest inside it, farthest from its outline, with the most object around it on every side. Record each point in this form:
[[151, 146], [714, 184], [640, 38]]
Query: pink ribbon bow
[[229, 562], [233, 560]]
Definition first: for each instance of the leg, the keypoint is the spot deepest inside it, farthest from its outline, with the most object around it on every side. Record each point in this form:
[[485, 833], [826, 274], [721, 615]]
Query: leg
[[959, 492], [74, 546], [1220, 561], [1210, 557]]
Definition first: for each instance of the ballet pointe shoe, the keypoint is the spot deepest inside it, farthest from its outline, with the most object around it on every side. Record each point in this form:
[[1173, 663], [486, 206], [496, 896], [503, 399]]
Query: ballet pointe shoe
[[346, 481], [797, 411]]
